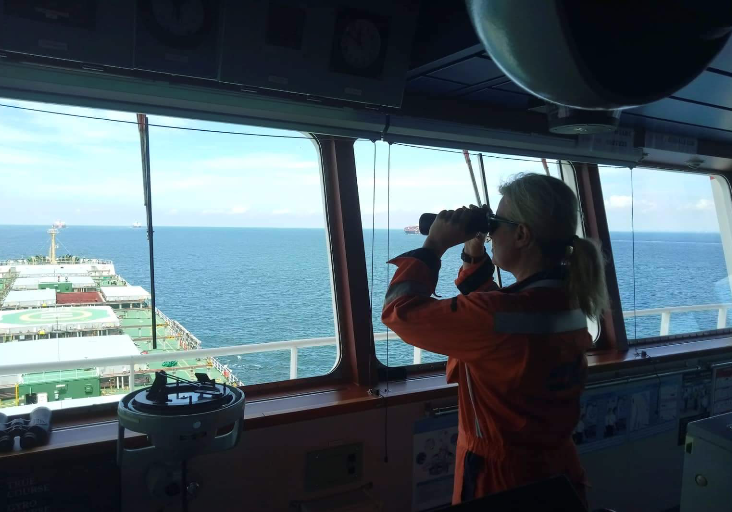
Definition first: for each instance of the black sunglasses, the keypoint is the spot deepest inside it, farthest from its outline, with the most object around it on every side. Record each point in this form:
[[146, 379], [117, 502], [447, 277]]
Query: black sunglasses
[[495, 220]]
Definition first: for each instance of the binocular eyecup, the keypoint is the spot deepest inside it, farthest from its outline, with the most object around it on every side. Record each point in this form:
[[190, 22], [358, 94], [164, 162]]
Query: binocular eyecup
[[33, 431]]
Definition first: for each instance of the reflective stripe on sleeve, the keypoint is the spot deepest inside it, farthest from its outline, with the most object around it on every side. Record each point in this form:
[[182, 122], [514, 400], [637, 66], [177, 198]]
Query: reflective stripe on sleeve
[[403, 288], [539, 323]]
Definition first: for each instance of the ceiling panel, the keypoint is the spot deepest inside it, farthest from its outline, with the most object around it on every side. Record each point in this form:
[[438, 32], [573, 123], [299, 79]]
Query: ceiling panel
[[425, 84], [709, 87], [723, 61], [685, 112], [628, 118], [502, 98], [469, 72], [510, 86]]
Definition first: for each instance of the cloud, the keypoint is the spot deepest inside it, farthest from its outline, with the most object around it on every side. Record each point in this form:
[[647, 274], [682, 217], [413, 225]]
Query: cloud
[[626, 202], [418, 182], [46, 127], [257, 161], [10, 157], [618, 202], [283, 211], [97, 150], [186, 183], [380, 208], [178, 122], [238, 210], [173, 211], [8, 134], [700, 205]]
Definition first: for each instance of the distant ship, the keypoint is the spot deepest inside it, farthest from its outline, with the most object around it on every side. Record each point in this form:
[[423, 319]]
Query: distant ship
[[59, 224], [412, 230], [136, 225]]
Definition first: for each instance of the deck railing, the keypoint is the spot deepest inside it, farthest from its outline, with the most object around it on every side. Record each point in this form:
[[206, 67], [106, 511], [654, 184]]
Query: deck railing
[[44, 260], [665, 314], [294, 346], [188, 340]]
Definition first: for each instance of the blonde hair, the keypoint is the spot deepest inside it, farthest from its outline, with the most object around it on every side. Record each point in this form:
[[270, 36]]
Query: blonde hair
[[549, 208]]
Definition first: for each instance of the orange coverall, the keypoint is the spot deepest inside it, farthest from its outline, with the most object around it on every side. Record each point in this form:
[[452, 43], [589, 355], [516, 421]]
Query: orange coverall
[[518, 355]]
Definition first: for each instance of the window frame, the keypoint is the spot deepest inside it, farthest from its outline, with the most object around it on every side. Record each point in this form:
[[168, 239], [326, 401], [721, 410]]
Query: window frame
[[594, 218], [620, 341], [567, 172], [337, 180]]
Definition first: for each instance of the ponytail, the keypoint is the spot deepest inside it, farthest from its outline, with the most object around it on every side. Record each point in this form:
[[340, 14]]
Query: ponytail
[[586, 277], [550, 209]]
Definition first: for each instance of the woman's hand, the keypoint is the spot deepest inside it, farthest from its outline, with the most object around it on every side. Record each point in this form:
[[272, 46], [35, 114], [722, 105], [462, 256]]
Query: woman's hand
[[449, 230], [475, 247]]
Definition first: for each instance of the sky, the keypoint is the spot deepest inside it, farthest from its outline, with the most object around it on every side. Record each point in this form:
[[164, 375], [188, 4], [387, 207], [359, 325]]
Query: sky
[[88, 172]]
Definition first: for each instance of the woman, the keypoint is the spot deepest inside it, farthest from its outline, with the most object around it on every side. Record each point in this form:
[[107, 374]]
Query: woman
[[518, 353]]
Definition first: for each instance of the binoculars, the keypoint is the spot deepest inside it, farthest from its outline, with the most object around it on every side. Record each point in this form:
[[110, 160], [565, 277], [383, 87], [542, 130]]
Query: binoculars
[[33, 431]]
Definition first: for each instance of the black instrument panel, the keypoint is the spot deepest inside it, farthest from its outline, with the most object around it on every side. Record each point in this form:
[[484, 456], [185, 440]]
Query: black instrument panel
[[341, 49], [180, 37], [76, 30]]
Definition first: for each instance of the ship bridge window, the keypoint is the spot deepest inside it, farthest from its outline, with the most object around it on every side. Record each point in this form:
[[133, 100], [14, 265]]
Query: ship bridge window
[[241, 252], [396, 185], [69, 193], [672, 249], [241, 249]]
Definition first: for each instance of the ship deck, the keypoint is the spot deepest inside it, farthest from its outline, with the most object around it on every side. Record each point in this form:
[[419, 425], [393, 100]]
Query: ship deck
[[136, 323], [114, 308]]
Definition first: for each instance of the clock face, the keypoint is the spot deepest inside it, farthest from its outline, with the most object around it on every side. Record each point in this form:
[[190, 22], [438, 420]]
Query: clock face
[[360, 43], [179, 17], [179, 24]]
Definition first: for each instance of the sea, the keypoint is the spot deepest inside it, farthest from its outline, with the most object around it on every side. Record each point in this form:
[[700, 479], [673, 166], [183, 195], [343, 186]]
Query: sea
[[232, 286]]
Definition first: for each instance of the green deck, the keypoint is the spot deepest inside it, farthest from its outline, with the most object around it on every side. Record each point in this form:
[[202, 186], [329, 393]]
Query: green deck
[[58, 376], [136, 324], [64, 315], [109, 281], [60, 385]]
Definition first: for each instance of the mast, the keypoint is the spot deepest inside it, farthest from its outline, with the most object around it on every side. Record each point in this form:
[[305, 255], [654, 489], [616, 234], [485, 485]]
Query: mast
[[52, 250]]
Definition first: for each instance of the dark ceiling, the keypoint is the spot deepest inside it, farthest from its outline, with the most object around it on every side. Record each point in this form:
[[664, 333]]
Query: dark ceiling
[[448, 62]]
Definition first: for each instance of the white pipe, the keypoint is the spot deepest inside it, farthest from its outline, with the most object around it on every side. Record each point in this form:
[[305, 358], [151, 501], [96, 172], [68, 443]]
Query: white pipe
[[665, 323], [675, 309], [252, 348], [417, 355], [722, 318], [132, 374], [293, 363], [723, 207]]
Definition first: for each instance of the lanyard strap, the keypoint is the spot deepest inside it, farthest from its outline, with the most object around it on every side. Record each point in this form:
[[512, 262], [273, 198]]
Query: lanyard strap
[[478, 431]]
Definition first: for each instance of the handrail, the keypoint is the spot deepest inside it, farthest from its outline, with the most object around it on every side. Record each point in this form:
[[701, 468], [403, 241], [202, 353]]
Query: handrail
[[10, 280], [209, 354], [74, 260], [204, 353], [186, 337], [666, 314], [676, 309]]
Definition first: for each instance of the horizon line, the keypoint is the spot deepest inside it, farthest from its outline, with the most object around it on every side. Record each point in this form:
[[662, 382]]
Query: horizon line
[[364, 228]]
